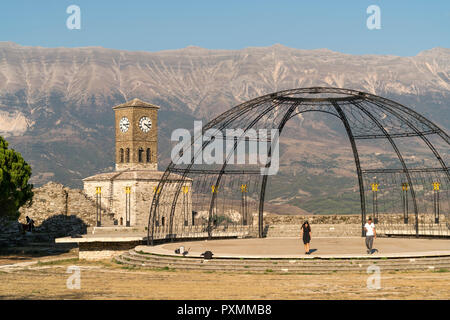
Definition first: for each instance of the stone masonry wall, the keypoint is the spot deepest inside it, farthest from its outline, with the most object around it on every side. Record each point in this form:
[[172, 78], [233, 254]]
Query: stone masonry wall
[[391, 218], [271, 219], [321, 225], [61, 211]]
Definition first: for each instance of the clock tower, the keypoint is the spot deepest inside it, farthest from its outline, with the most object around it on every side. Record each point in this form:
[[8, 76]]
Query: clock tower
[[126, 194], [136, 135]]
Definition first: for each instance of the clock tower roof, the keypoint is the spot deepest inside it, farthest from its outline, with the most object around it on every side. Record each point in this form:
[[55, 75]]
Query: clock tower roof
[[136, 103]]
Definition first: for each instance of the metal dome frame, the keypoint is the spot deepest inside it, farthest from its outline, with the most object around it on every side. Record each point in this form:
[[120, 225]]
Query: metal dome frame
[[365, 117]]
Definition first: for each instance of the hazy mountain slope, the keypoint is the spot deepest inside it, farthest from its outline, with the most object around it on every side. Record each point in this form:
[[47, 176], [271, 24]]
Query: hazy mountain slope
[[199, 80]]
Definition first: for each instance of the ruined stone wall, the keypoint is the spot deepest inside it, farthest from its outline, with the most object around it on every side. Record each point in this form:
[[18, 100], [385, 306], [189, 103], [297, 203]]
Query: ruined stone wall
[[390, 218], [61, 211], [271, 219], [321, 225]]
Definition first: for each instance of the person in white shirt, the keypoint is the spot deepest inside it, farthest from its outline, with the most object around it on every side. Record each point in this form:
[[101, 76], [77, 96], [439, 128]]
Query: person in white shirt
[[370, 234]]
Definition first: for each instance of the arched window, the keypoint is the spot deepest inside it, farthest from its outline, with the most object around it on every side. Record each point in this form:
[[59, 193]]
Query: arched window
[[148, 155], [163, 221], [127, 155], [140, 154], [121, 155]]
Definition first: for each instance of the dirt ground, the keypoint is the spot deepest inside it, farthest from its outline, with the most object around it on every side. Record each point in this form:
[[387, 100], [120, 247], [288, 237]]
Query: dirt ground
[[107, 280]]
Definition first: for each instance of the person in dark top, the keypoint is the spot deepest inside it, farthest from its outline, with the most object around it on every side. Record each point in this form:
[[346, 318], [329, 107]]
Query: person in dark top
[[30, 224], [306, 231]]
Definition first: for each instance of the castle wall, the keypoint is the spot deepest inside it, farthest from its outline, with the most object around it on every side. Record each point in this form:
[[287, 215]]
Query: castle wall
[[53, 199]]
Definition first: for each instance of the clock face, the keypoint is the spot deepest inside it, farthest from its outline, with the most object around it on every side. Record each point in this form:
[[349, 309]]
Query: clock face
[[124, 124], [145, 124]]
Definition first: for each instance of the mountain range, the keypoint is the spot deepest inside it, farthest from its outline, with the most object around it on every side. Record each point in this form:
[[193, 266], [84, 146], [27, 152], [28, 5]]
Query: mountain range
[[55, 103]]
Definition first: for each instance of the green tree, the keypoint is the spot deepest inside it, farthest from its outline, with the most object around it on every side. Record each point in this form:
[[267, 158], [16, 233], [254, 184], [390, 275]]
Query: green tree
[[15, 191]]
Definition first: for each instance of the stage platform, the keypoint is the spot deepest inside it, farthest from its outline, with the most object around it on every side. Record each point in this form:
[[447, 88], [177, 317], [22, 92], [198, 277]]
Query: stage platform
[[291, 248]]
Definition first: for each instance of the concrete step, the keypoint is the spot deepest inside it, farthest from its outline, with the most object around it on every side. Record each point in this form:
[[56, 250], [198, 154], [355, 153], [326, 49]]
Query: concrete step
[[286, 262], [137, 259], [274, 268], [325, 266]]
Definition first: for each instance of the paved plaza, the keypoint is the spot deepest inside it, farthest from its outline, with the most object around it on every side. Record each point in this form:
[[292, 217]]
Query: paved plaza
[[320, 247]]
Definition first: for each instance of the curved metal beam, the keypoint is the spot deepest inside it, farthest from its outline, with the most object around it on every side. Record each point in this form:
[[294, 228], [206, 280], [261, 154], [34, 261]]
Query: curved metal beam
[[350, 92], [236, 113], [286, 117], [362, 195], [216, 185], [400, 157], [420, 134]]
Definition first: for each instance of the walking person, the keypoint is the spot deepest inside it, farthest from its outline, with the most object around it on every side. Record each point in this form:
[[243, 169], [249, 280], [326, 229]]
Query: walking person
[[371, 233], [30, 224], [306, 234]]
